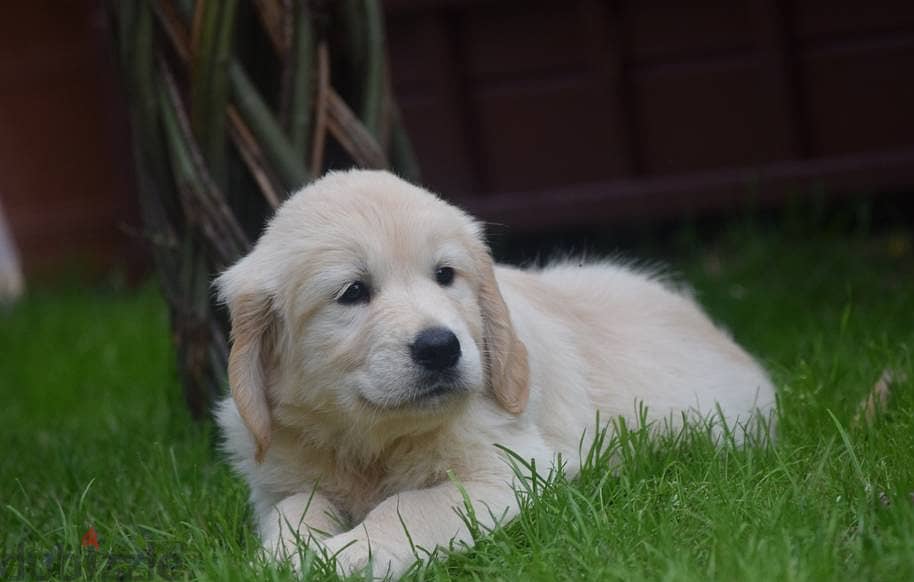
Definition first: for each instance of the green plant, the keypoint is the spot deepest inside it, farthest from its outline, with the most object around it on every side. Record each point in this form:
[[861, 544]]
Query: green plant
[[233, 105]]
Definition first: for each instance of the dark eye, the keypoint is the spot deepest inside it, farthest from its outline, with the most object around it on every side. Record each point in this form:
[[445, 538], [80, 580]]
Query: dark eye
[[444, 276], [356, 292]]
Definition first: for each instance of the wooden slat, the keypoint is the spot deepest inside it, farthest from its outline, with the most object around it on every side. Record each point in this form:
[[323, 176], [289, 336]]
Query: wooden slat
[[858, 98], [705, 116], [663, 31], [602, 203], [425, 83], [462, 105], [778, 74], [603, 25], [818, 21]]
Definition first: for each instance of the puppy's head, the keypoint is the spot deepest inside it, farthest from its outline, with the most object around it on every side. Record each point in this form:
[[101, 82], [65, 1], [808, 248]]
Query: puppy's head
[[368, 298]]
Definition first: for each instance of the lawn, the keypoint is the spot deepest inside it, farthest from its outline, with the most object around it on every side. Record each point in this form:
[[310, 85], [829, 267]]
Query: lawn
[[94, 435]]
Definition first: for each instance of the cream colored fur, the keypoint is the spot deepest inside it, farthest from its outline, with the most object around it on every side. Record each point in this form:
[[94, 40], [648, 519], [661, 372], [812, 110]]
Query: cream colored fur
[[323, 422]]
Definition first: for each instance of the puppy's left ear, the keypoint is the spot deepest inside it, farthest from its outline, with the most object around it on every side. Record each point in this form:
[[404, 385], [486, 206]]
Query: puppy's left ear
[[506, 355]]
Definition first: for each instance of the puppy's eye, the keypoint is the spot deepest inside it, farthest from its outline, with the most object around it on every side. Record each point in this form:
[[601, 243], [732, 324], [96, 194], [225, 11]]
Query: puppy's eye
[[356, 292], [444, 276]]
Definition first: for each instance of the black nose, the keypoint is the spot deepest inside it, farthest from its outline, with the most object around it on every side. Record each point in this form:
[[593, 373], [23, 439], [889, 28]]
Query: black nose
[[436, 349]]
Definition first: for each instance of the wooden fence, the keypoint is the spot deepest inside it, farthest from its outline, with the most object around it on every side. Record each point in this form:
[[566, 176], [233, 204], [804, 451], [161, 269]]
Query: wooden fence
[[535, 114], [541, 113]]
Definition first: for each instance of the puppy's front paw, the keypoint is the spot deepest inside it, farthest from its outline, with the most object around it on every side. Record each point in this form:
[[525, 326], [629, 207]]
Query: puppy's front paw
[[355, 554]]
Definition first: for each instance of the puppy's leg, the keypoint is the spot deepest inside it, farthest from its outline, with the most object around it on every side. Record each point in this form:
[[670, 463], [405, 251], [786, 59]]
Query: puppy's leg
[[301, 519], [424, 519]]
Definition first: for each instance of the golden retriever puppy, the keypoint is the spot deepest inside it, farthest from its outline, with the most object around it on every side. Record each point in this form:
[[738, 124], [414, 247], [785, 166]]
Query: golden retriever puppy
[[379, 356]]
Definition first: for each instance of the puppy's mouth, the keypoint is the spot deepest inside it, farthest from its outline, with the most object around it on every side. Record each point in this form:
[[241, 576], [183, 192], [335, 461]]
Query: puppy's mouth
[[429, 392], [440, 388]]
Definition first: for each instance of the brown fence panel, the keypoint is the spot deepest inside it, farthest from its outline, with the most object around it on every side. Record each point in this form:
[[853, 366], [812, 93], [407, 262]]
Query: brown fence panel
[[540, 114]]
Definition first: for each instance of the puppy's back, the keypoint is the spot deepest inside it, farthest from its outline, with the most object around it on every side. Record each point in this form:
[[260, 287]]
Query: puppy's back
[[637, 339]]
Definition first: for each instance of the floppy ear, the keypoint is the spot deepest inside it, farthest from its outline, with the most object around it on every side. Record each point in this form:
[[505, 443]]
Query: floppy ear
[[506, 355], [253, 328]]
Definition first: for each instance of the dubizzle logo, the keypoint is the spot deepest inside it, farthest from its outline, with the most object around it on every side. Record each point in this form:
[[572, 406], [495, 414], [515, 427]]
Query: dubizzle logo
[[88, 561], [89, 539]]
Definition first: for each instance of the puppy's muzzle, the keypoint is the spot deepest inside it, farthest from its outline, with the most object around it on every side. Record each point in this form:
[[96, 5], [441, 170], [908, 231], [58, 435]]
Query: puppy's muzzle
[[436, 349]]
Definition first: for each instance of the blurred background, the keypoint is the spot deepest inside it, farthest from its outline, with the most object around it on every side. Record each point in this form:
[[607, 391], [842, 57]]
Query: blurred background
[[150, 140], [542, 116]]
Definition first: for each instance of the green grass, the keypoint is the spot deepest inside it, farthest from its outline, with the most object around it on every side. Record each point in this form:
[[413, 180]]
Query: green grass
[[93, 432]]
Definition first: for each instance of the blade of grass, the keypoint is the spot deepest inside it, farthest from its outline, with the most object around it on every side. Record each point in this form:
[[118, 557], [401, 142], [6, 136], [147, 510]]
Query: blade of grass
[[852, 455]]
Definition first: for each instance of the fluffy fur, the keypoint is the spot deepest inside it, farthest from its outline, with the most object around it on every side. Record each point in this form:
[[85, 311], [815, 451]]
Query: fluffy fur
[[328, 421]]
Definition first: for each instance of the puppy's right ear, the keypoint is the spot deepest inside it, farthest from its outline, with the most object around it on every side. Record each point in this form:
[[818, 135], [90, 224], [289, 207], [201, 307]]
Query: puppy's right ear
[[253, 329]]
